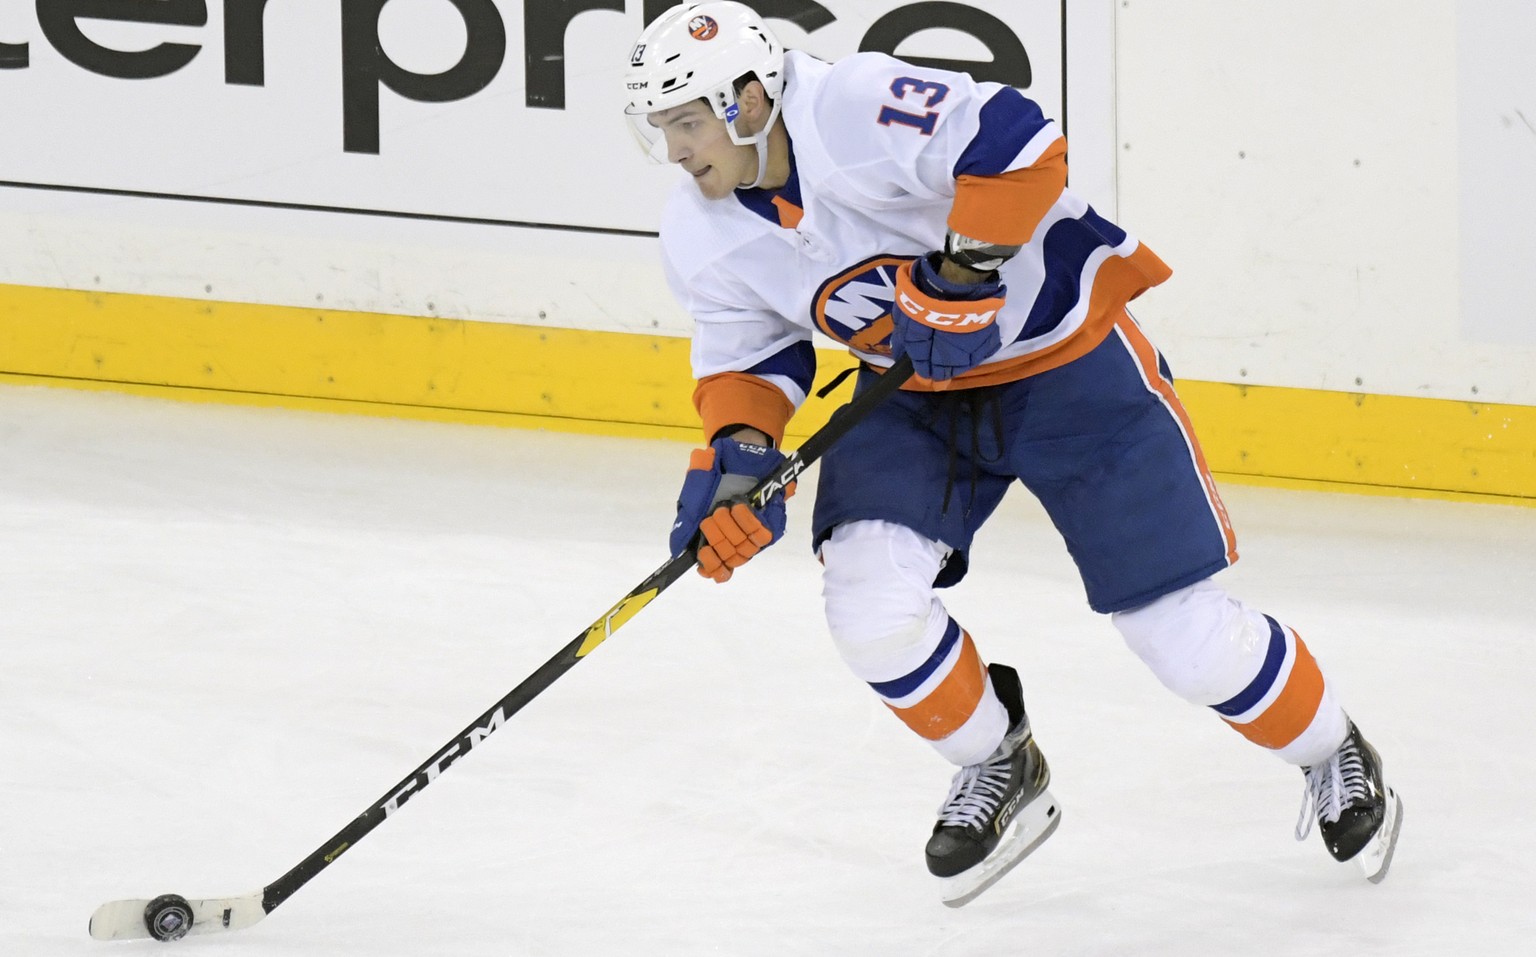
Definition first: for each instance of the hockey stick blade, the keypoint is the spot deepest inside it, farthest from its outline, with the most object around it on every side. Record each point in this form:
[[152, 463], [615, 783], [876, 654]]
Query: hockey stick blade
[[128, 920], [172, 917]]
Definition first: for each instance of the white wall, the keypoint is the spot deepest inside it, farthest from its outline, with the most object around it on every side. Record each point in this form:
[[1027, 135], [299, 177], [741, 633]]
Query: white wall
[[1343, 189], [1496, 127], [295, 140]]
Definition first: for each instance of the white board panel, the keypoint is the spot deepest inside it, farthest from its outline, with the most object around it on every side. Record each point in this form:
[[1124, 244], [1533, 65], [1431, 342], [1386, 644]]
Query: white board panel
[[1299, 166], [1496, 110], [435, 157]]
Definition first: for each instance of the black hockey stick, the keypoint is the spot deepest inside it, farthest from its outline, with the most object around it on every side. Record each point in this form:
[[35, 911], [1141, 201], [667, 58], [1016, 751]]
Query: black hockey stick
[[171, 916]]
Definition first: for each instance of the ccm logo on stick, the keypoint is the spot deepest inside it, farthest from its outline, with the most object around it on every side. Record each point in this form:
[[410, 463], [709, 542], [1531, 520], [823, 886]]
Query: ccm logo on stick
[[455, 750]]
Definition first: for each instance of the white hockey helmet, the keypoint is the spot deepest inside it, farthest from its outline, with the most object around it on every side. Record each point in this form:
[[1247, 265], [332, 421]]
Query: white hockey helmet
[[699, 50]]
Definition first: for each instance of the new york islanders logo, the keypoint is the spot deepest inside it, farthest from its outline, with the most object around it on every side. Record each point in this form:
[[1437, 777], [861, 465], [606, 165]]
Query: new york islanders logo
[[703, 28], [854, 306]]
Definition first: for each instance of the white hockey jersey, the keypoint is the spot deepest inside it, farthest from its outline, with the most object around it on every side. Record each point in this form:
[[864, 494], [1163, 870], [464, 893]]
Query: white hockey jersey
[[878, 146]]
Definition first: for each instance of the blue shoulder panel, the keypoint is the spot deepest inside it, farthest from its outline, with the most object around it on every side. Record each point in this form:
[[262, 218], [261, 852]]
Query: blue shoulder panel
[[1008, 122]]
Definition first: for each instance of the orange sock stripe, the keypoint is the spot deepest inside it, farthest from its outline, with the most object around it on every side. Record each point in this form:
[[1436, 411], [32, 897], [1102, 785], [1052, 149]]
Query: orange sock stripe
[[1290, 713], [1146, 357], [952, 703]]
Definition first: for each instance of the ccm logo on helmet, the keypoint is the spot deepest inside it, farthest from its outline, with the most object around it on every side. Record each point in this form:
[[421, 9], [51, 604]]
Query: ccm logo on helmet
[[703, 28]]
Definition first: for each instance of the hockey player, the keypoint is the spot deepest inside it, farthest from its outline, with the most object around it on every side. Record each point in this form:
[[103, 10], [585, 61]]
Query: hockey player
[[906, 210]]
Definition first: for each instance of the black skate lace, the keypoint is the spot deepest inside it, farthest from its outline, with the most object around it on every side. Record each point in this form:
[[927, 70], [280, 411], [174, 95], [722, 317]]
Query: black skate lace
[[1331, 787], [975, 794]]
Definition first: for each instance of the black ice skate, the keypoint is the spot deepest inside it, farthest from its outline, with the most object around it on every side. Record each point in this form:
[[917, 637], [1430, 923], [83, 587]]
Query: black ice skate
[[997, 811], [1357, 814]]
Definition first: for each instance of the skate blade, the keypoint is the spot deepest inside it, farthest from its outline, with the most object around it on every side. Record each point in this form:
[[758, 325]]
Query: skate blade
[[1028, 831], [1376, 856]]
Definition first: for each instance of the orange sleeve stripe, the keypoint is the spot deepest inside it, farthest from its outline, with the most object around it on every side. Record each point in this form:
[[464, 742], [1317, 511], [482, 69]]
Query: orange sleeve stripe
[[952, 703], [739, 398], [1290, 713], [1006, 208]]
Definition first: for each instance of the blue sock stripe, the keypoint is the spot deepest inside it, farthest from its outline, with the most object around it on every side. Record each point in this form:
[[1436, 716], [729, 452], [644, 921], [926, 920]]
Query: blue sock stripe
[[908, 683], [1259, 687]]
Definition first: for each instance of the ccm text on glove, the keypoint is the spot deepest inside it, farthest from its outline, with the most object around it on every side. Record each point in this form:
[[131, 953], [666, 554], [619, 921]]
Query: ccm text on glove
[[948, 328], [712, 506]]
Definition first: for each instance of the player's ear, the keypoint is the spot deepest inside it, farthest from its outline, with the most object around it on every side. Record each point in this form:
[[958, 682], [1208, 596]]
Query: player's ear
[[754, 103]]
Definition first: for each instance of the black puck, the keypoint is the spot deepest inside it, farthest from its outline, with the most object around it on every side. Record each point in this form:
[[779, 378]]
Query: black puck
[[168, 917]]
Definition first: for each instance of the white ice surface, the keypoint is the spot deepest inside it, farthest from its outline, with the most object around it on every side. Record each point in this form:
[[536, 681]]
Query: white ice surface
[[225, 631]]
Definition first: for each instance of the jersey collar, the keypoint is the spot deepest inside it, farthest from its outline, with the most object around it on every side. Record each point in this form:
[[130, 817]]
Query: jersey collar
[[783, 206]]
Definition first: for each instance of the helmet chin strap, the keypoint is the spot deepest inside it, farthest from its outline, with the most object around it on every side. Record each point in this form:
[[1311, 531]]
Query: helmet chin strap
[[761, 142], [762, 160]]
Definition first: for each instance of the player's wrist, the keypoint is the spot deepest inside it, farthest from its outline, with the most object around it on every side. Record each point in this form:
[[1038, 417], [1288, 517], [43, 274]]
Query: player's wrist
[[977, 255], [746, 435], [960, 275], [934, 275]]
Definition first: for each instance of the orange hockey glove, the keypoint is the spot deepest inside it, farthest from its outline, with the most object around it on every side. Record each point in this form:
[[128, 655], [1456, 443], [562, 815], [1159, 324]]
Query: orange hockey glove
[[711, 509]]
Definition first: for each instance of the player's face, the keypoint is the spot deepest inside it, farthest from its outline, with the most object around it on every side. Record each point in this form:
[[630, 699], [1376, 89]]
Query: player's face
[[698, 141]]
